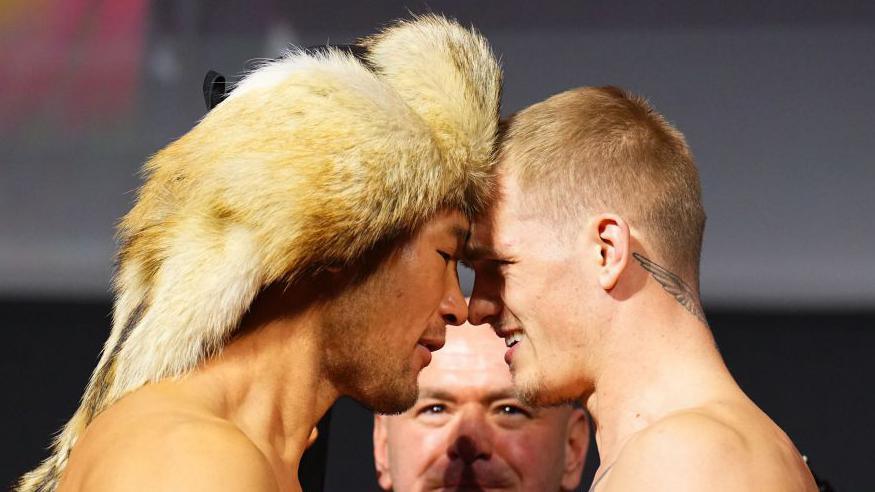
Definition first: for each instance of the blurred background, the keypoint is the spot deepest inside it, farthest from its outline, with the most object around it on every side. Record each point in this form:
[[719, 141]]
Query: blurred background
[[776, 100]]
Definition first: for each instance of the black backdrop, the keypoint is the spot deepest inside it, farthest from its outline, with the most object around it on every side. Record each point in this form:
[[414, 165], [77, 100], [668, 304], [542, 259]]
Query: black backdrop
[[812, 372]]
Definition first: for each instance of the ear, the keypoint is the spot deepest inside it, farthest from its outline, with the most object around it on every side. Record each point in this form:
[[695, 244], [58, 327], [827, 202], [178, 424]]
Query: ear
[[314, 434], [612, 238], [381, 452], [576, 447]]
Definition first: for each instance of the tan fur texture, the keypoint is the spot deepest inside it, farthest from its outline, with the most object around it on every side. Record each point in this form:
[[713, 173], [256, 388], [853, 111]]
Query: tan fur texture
[[311, 161]]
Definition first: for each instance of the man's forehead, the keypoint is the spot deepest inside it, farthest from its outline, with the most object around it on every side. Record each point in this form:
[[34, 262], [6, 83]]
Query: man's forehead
[[472, 354], [478, 358], [459, 231], [452, 222], [498, 230], [490, 239]]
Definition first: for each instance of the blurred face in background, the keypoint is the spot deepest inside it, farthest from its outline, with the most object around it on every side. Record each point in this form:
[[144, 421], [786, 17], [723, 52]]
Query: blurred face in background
[[468, 432]]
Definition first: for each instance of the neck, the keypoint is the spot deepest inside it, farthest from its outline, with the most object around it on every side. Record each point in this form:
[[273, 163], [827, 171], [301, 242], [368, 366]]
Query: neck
[[661, 359], [268, 383]]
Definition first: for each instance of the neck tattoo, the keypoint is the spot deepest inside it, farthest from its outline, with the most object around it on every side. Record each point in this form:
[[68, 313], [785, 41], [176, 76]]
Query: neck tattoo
[[674, 285]]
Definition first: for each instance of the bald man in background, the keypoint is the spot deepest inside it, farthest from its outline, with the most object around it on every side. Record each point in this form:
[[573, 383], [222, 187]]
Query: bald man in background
[[468, 432]]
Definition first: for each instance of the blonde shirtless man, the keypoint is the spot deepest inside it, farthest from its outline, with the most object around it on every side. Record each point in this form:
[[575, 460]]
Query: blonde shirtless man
[[299, 244], [588, 268]]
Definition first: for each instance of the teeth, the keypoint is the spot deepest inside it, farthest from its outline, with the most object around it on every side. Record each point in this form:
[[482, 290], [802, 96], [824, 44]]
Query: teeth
[[513, 338]]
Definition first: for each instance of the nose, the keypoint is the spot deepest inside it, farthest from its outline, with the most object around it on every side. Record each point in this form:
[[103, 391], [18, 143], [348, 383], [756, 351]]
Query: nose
[[485, 304], [453, 308], [472, 438]]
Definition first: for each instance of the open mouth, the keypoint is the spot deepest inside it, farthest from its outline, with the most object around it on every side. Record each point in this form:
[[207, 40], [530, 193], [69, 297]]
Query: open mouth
[[513, 338]]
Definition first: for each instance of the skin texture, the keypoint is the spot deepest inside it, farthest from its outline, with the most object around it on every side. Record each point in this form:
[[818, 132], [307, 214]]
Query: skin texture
[[468, 432], [599, 326], [242, 420]]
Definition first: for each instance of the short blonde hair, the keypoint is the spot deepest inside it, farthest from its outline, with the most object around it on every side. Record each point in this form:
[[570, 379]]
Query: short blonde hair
[[592, 150]]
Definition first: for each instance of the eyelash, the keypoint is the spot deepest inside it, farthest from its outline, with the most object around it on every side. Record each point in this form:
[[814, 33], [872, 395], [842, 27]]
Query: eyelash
[[497, 264], [500, 266], [514, 410], [429, 409]]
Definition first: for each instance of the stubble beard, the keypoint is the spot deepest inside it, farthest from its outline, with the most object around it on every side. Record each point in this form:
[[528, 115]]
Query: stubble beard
[[357, 361], [378, 381], [532, 388], [529, 388]]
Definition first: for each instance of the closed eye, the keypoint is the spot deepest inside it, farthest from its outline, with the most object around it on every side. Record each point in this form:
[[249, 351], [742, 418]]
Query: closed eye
[[500, 266], [486, 263]]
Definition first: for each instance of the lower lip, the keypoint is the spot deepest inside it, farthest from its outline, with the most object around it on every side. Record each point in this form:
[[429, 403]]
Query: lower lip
[[425, 353], [509, 354]]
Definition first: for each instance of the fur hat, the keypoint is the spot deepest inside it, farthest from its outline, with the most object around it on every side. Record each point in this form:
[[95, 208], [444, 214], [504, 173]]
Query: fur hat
[[311, 161]]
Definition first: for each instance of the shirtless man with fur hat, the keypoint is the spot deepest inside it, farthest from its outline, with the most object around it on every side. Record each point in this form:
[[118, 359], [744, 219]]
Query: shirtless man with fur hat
[[307, 253]]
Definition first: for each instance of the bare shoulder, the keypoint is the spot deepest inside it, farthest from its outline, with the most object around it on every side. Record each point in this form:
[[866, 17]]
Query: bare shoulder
[[699, 450], [177, 452], [685, 451]]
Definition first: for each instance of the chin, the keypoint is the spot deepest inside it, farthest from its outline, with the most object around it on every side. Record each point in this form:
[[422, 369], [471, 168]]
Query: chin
[[391, 397], [544, 397], [528, 387], [532, 388]]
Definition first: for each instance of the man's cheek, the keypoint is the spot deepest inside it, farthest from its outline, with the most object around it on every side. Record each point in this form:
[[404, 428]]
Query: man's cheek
[[430, 446], [521, 301], [511, 443]]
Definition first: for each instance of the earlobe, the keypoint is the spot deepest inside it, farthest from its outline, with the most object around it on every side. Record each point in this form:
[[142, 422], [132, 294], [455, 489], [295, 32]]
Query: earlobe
[[381, 453], [576, 448], [314, 434], [613, 239]]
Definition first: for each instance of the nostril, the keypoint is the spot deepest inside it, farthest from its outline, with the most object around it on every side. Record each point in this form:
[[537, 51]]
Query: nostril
[[451, 319], [467, 449], [478, 318]]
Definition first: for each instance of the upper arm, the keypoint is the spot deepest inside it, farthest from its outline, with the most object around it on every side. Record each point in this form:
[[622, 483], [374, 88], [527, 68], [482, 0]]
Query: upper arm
[[193, 458], [691, 452]]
